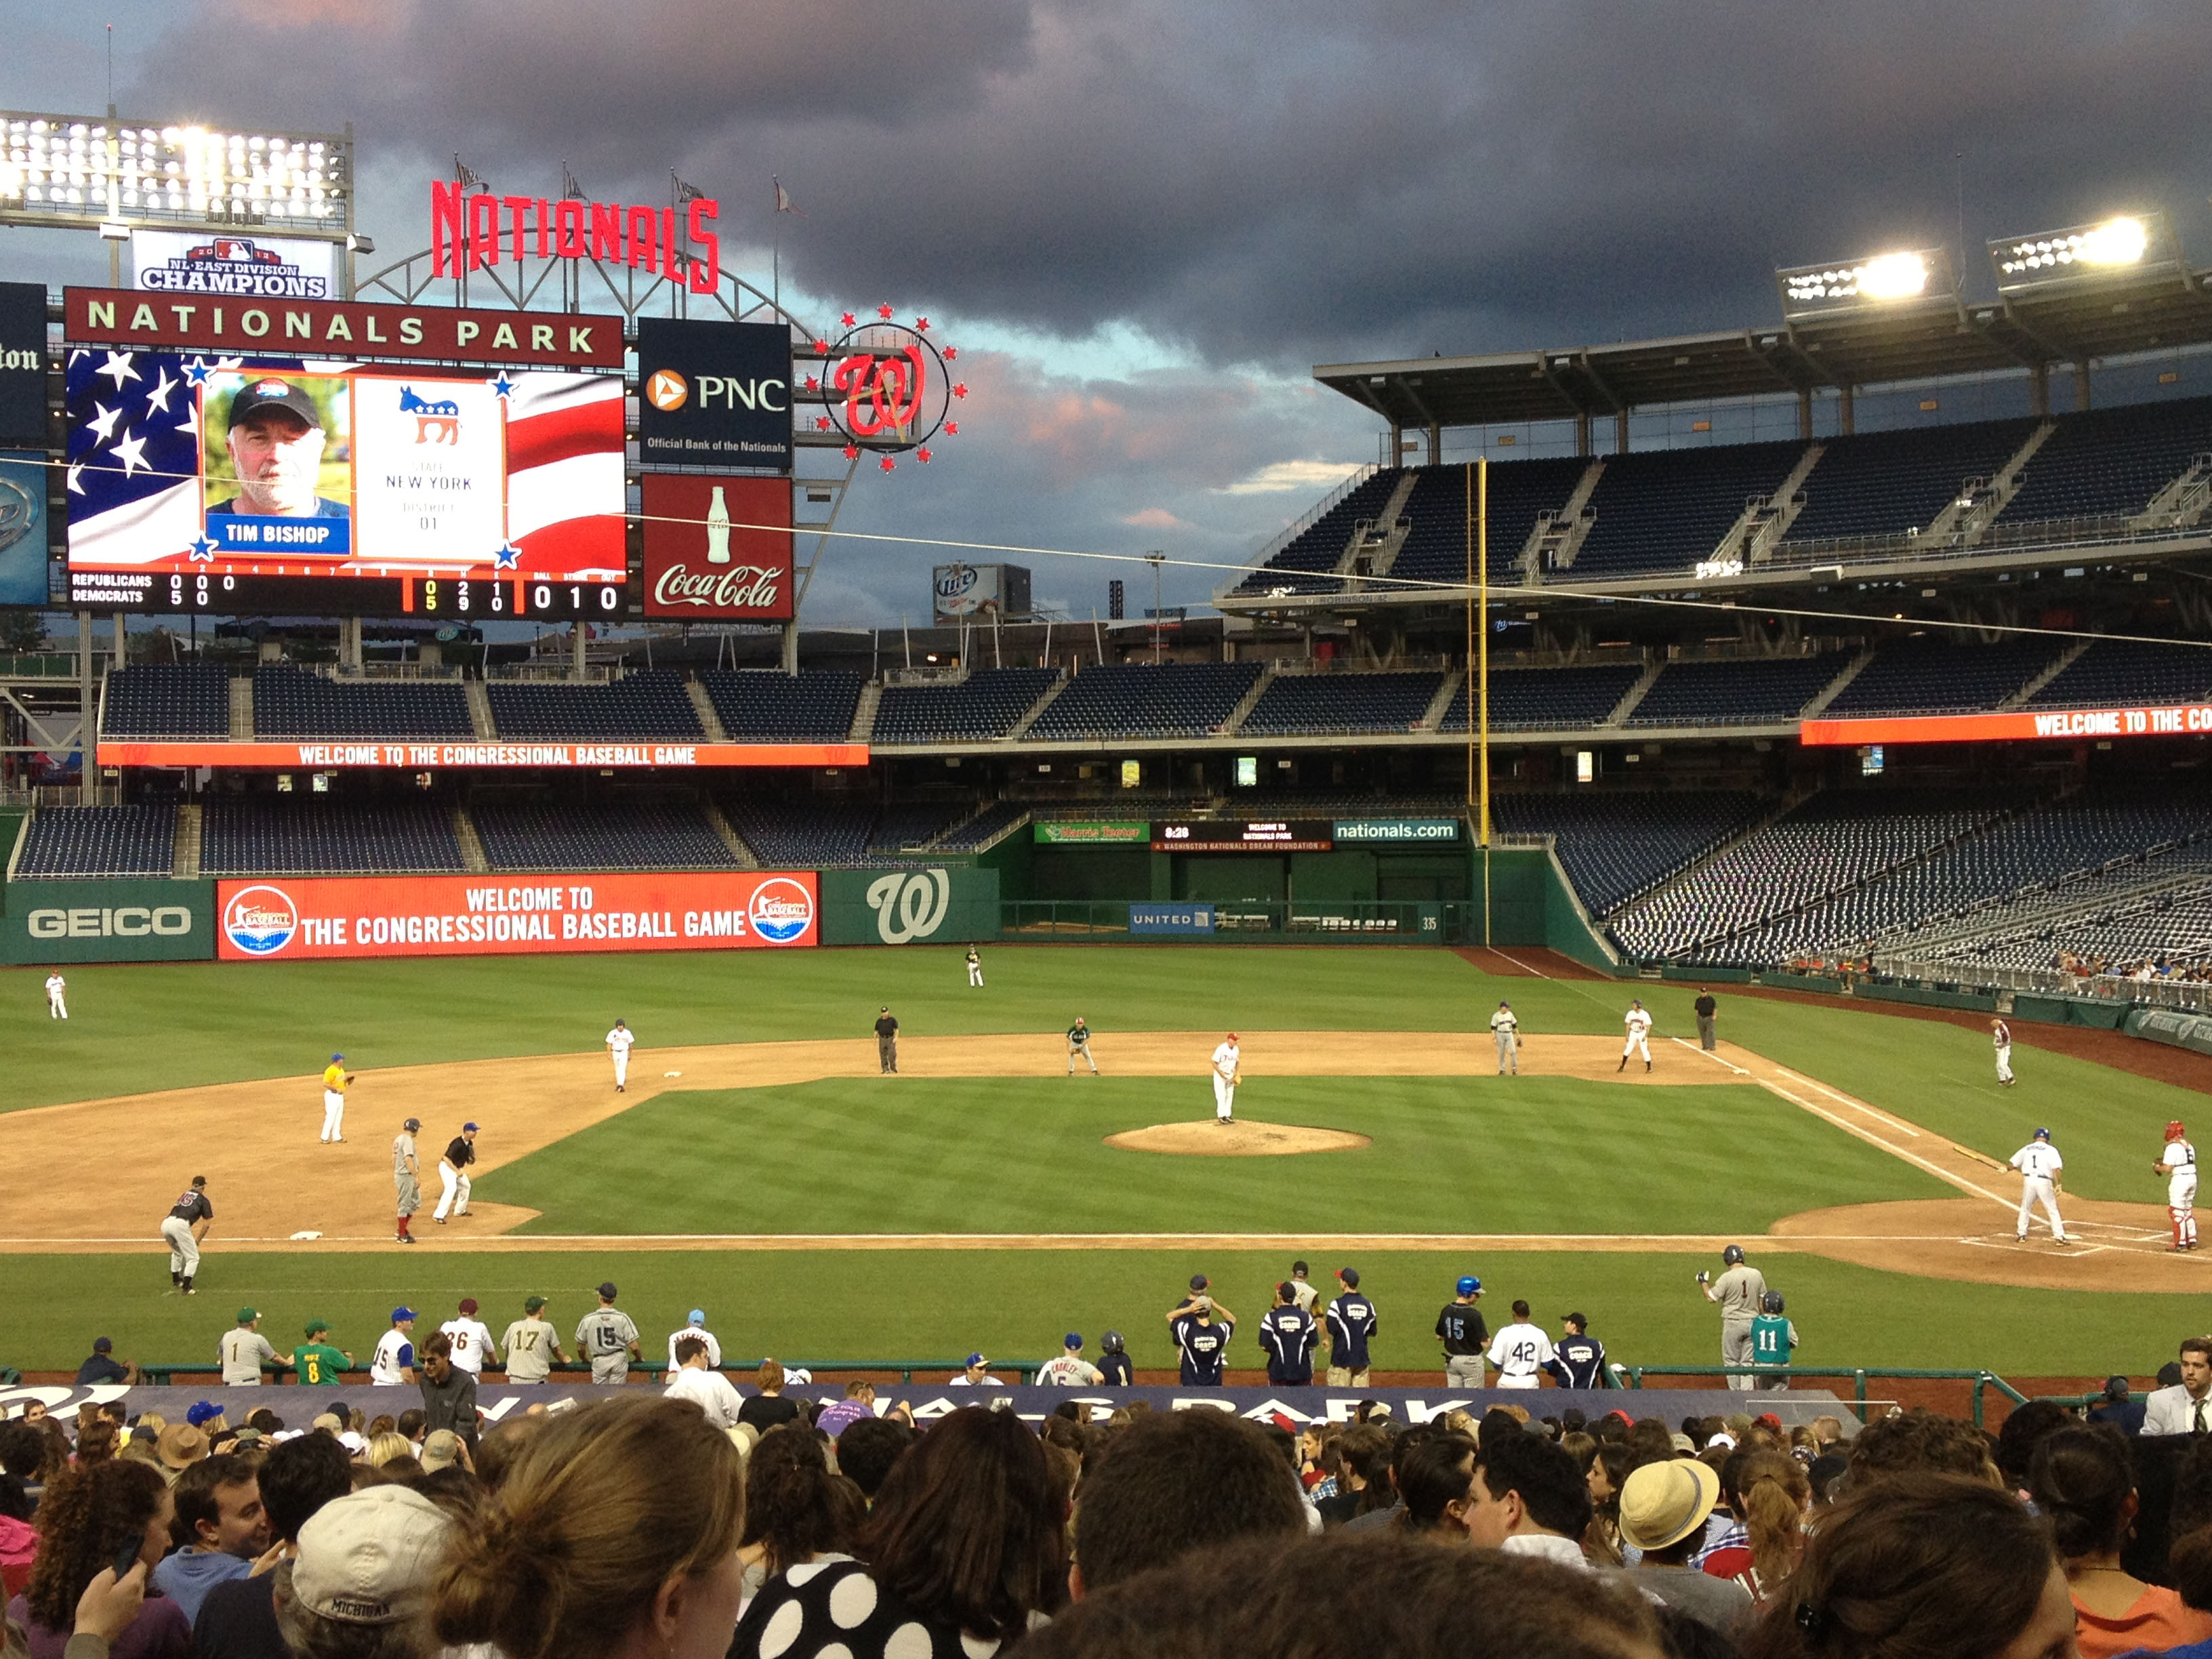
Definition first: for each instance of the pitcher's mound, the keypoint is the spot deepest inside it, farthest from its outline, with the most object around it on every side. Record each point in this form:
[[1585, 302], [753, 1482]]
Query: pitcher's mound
[[1243, 1139]]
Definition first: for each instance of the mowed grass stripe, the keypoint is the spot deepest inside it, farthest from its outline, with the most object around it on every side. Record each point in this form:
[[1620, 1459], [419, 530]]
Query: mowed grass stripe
[[1017, 1305], [913, 1155]]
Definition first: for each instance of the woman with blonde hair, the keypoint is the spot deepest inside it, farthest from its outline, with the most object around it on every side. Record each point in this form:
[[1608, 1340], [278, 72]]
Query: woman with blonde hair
[[386, 1447], [1769, 1493], [614, 1532]]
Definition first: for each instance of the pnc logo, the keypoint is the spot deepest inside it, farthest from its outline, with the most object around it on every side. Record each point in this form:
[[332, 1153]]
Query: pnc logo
[[782, 910], [259, 921], [666, 391]]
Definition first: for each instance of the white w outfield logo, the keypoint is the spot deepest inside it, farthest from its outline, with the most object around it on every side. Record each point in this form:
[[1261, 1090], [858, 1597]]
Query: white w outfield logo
[[910, 905]]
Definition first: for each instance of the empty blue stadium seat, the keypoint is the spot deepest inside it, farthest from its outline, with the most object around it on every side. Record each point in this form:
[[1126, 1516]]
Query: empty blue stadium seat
[[187, 700], [1436, 549], [99, 840], [292, 703], [1886, 483], [768, 706], [986, 704], [1320, 704], [2110, 462], [1546, 699], [1943, 676], [1738, 692], [1616, 845], [1322, 545], [1166, 700], [649, 707], [1664, 510], [2118, 673], [278, 834], [544, 835]]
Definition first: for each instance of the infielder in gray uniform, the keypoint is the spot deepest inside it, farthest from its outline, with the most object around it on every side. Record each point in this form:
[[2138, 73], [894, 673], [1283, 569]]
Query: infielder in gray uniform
[[1739, 1291], [1506, 1027], [607, 1337], [407, 1175]]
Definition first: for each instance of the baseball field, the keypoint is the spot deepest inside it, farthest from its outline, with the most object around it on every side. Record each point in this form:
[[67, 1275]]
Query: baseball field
[[759, 1167]]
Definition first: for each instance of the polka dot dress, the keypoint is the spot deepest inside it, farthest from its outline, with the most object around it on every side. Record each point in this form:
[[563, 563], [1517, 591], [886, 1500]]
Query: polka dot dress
[[831, 1609]]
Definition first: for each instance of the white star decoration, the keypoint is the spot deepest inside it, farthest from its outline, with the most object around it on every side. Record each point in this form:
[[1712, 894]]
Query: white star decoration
[[118, 368], [131, 451], [158, 398], [103, 423], [75, 467]]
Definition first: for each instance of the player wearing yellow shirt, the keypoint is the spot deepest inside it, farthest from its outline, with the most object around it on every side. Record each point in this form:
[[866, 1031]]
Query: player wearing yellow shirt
[[334, 1078]]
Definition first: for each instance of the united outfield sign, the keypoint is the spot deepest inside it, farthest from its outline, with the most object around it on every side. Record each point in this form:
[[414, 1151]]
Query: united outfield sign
[[338, 330], [2145, 721], [717, 547], [292, 920], [420, 756]]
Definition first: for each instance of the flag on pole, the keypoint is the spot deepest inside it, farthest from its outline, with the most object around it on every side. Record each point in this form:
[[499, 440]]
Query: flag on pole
[[783, 202]]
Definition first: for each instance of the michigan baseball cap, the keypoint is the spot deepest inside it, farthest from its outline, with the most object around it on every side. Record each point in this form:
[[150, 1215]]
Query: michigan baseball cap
[[248, 1315], [1469, 1286], [468, 1125], [1349, 1276], [369, 1558], [1072, 1339], [399, 1313], [697, 1316], [314, 1325], [975, 1359], [607, 1290], [468, 1304], [272, 393], [532, 1303], [1663, 1504]]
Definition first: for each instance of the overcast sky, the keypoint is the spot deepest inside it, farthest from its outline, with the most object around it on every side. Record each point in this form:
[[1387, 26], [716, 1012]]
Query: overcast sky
[[1143, 222]]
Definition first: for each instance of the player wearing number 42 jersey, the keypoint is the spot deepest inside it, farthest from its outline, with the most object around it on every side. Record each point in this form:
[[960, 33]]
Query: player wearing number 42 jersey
[[1522, 1351]]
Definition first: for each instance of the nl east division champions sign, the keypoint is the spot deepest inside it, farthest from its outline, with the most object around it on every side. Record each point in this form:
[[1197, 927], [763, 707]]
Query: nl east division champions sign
[[265, 267], [717, 549], [286, 921], [713, 394]]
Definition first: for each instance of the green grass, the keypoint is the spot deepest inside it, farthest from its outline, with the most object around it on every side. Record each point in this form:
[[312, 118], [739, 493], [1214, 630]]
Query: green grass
[[1017, 1303], [1026, 1155]]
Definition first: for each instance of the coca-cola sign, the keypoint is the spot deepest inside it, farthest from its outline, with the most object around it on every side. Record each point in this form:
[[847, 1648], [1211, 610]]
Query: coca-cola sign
[[717, 547]]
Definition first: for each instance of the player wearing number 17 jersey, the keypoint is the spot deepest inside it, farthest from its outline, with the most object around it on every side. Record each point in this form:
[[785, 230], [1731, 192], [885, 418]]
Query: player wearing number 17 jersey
[[532, 1345]]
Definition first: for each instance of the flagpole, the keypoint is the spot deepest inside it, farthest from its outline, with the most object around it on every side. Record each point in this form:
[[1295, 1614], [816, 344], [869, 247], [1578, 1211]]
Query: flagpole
[[776, 242], [1482, 640]]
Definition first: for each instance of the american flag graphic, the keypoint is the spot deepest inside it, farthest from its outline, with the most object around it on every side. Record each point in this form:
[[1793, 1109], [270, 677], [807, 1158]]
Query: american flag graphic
[[136, 494]]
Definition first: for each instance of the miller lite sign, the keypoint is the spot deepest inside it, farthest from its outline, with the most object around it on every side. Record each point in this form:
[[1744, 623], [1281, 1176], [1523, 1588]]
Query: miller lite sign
[[717, 547]]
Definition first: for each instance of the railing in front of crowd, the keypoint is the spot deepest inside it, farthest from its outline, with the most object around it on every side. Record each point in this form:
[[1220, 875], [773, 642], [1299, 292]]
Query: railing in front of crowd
[[2195, 996], [1631, 1376], [163, 1375]]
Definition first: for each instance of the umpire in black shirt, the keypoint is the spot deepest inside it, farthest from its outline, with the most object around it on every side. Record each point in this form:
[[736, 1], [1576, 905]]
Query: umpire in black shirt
[[1705, 1008], [887, 1042]]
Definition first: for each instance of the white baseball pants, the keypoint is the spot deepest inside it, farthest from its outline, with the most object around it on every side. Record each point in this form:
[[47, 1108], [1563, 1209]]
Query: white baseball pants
[[456, 1187], [1736, 1350], [2181, 1206], [1084, 1050], [333, 1114], [184, 1249], [976, 974], [2004, 1063], [57, 1008], [1508, 1053], [1636, 1047], [2038, 1189], [1225, 1096], [621, 1067]]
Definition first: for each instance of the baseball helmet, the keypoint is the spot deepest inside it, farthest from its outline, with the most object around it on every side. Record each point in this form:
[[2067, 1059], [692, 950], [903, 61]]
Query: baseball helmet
[[1470, 1286], [2174, 1131], [1771, 1302], [2042, 1134], [1732, 1254], [1111, 1342]]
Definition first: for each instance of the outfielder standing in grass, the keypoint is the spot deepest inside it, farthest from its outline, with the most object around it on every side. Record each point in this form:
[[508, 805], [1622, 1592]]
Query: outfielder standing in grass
[[2178, 1164], [1505, 1027]]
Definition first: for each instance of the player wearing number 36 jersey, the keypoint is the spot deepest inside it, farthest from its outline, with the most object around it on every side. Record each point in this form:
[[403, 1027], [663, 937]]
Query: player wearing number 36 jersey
[[1521, 1352]]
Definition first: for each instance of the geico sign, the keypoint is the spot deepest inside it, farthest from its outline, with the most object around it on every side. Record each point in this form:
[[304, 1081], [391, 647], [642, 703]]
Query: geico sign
[[742, 587], [124, 921], [730, 392]]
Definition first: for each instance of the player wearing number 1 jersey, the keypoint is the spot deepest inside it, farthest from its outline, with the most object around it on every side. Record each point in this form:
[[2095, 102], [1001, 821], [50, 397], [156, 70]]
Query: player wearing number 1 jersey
[[1521, 1352]]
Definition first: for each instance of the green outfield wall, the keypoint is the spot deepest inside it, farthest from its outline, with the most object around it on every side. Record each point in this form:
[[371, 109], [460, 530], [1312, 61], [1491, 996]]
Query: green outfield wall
[[920, 904], [141, 919]]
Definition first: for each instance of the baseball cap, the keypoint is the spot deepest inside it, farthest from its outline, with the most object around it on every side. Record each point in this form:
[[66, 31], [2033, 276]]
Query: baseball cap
[[1197, 1281], [258, 395], [103, 1345], [412, 1124], [977, 1359], [468, 1304], [465, 1126], [1232, 1037], [248, 1315], [334, 1058], [1111, 1342], [1072, 1339], [181, 1445], [367, 1558], [1663, 1504], [399, 1313], [1300, 1268], [1349, 1276], [442, 1449], [1579, 1320], [1469, 1286], [698, 1316], [1287, 1291], [328, 1422], [607, 1290], [201, 1411], [532, 1303], [1768, 1420], [314, 1325]]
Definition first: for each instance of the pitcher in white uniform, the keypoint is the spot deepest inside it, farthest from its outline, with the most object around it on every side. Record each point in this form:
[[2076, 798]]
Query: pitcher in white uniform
[[620, 1041], [2178, 1164], [2039, 1164], [1224, 1078]]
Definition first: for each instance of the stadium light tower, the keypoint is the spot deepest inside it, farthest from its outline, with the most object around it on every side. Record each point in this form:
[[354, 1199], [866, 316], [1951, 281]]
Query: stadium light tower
[[2134, 245], [1902, 277]]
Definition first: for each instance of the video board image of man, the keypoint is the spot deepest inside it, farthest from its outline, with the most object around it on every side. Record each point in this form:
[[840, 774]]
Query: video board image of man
[[279, 453]]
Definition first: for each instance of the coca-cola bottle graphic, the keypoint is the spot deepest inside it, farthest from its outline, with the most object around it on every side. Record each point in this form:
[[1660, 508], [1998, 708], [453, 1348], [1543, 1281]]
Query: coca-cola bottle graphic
[[718, 529]]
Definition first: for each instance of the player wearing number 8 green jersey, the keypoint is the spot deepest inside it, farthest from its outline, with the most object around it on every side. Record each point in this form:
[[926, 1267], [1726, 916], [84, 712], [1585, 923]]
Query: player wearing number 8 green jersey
[[319, 1363]]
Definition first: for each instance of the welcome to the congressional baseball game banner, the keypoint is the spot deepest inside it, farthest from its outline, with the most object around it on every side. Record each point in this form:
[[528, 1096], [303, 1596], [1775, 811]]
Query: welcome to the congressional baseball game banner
[[282, 920]]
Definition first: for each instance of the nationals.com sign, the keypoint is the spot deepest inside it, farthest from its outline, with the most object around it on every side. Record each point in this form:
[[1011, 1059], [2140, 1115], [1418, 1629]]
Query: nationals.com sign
[[286, 920]]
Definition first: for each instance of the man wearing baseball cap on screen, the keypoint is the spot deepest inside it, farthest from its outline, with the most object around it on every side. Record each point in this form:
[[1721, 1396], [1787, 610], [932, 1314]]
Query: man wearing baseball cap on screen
[[276, 442], [1664, 1511]]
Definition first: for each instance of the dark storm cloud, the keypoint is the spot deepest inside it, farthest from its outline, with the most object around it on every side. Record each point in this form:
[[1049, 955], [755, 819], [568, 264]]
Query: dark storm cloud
[[1284, 181]]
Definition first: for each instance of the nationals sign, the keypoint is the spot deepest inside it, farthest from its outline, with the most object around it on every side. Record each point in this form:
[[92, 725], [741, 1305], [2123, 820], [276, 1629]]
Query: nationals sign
[[717, 547], [282, 920]]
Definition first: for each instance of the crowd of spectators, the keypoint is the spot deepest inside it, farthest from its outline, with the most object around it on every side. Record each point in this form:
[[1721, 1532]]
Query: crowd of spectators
[[664, 1525], [2143, 970]]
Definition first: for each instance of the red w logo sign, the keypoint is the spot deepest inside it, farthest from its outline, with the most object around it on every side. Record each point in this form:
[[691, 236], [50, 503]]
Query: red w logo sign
[[883, 393]]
